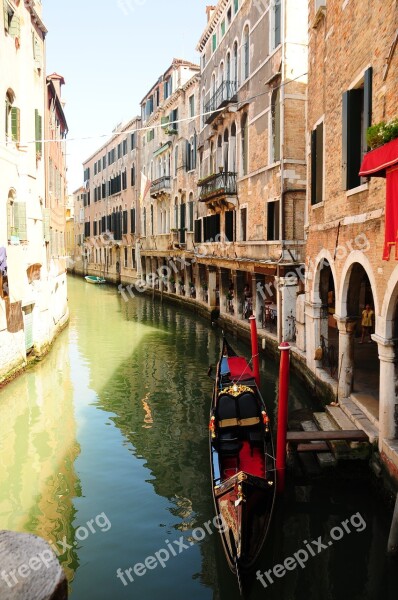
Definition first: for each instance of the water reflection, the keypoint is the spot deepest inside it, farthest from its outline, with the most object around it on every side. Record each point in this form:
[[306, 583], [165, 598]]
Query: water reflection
[[115, 420], [38, 449]]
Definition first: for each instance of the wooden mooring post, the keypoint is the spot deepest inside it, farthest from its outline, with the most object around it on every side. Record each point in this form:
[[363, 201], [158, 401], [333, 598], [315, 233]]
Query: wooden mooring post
[[392, 547]]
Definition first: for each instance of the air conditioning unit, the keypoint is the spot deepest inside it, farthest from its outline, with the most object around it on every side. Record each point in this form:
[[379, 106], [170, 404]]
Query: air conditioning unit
[[320, 10]]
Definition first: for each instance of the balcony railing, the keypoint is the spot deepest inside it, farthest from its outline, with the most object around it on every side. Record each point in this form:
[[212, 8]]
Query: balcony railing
[[225, 93], [217, 185], [161, 186]]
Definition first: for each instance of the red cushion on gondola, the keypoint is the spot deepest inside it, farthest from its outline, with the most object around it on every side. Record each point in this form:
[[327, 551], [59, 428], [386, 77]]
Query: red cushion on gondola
[[239, 368]]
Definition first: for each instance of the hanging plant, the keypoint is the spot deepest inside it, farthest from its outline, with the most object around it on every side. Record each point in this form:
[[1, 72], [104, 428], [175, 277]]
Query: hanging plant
[[381, 133]]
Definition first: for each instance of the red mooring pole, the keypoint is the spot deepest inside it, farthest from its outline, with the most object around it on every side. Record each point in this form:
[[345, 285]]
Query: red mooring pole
[[283, 402], [254, 338]]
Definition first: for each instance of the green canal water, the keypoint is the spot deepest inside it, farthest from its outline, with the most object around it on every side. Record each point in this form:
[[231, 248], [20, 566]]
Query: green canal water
[[103, 452]]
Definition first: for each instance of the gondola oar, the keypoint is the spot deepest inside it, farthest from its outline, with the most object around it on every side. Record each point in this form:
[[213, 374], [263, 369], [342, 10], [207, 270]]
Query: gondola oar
[[238, 576]]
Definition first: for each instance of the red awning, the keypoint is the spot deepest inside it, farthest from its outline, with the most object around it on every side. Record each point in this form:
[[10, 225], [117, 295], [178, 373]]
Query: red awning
[[377, 161]]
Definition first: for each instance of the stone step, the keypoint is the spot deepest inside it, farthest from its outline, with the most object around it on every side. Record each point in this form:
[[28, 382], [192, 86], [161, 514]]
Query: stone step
[[340, 448], [339, 417], [325, 459], [357, 416]]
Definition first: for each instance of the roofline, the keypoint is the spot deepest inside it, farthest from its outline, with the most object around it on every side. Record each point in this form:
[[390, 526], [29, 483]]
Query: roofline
[[211, 25], [58, 103], [112, 137], [30, 5], [176, 62]]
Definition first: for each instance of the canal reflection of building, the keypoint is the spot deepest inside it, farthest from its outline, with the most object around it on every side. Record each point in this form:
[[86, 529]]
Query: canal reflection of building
[[38, 448]]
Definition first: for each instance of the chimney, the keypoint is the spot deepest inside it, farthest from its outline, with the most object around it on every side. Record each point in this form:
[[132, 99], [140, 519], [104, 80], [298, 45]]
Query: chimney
[[209, 12], [58, 81]]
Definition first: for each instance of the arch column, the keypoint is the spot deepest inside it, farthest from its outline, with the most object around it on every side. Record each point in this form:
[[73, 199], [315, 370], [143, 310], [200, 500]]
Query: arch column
[[346, 356], [387, 392]]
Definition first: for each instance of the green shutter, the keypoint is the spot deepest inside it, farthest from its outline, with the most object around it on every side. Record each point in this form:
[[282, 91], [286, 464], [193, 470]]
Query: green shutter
[[5, 12], [15, 27], [20, 220], [38, 131], [15, 124], [164, 122], [46, 224], [10, 209], [214, 43]]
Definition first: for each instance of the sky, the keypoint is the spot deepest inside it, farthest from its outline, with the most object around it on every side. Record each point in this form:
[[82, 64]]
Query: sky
[[110, 53]]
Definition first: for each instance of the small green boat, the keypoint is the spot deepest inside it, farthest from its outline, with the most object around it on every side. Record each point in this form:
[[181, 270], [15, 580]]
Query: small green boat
[[94, 279]]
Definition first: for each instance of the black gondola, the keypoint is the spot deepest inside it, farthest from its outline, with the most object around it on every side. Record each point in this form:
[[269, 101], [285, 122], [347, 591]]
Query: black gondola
[[242, 461]]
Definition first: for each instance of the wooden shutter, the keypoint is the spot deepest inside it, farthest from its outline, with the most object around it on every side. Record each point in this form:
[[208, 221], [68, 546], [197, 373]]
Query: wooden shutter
[[277, 24], [132, 220], [344, 158], [15, 123], [367, 106], [125, 226], [229, 226], [198, 231], [352, 137], [15, 26], [20, 220], [313, 167], [188, 165], [38, 131]]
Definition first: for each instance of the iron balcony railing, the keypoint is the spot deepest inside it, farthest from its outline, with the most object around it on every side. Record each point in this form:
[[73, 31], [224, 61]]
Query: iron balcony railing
[[225, 93], [219, 184], [163, 184]]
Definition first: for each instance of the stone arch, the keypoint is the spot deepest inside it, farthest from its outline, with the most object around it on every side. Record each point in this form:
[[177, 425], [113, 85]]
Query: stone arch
[[324, 255], [386, 326], [360, 258]]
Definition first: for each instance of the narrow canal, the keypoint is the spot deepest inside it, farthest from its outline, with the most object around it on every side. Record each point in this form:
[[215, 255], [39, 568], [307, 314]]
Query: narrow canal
[[104, 453]]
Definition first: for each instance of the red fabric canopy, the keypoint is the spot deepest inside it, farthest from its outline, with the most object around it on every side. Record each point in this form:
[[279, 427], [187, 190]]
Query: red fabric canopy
[[239, 369], [383, 162], [377, 161]]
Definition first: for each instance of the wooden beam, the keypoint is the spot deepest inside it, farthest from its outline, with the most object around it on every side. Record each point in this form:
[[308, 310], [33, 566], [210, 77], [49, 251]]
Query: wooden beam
[[316, 447], [357, 435]]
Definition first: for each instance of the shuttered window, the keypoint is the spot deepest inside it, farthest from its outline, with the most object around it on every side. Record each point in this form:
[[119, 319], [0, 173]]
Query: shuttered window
[[229, 226], [356, 117], [243, 224], [38, 131], [132, 220], [198, 231], [317, 164], [211, 228], [15, 124], [132, 175], [273, 221], [125, 226]]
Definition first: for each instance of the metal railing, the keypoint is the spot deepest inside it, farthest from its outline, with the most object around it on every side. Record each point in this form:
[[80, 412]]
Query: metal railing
[[225, 93], [160, 185], [219, 184]]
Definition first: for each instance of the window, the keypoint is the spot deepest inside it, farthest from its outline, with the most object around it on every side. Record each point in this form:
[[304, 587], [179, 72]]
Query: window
[[38, 132], [214, 42], [11, 20], [175, 161], [275, 126], [198, 231], [236, 6], [124, 147], [132, 175], [276, 22], [95, 168], [244, 144], [211, 228], [235, 63], [149, 107], [243, 224], [273, 220], [245, 53], [99, 166], [229, 225], [16, 220], [119, 150], [192, 106], [12, 118], [150, 135], [222, 28], [104, 162], [168, 88], [229, 16], [125, 229], [173, 125], [132, 141], [190, 212], [317, 164], [124, 181], [357, 117], [132, 220]]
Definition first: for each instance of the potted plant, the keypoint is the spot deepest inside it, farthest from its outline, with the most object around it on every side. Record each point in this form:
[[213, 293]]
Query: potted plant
[[381, 133]]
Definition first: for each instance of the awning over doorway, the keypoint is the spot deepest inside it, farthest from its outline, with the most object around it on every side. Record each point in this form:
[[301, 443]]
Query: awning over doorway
[[383, 162]]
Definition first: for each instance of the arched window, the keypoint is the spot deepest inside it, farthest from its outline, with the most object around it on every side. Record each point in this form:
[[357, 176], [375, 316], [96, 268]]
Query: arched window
[[228, 68], [176, 212], [226, 151], [244, 132], [232, 146], [219, 152], [235, 63], [212, 167], [190, 212], [12, 118], [152, 221], [245, 53]]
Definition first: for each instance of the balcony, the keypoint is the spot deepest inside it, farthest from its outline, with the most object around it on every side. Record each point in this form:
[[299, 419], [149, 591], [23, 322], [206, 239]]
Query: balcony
[[226, 92], [161, 186], [218, 186]]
